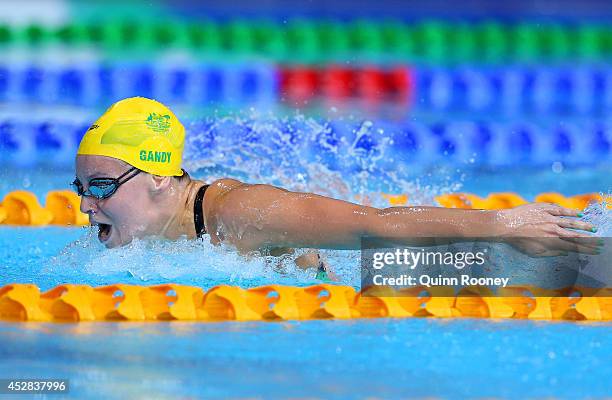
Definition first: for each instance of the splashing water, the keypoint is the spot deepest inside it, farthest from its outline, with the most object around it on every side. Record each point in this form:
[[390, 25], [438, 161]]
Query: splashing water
[[350, 161], [191, 262], [600, 216]]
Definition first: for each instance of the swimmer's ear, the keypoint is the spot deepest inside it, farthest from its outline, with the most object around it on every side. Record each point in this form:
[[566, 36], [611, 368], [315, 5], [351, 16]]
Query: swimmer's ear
[[159, 183]]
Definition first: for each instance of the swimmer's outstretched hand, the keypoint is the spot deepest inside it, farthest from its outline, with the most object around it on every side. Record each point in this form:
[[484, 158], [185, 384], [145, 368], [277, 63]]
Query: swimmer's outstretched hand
[[543, 230]]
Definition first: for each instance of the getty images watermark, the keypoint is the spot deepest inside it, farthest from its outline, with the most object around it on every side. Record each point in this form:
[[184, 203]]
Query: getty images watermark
[[412, 259], [445, 265]]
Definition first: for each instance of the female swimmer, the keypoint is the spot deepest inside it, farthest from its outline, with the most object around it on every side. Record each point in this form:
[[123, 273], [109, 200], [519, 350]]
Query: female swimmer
[[128, 172]]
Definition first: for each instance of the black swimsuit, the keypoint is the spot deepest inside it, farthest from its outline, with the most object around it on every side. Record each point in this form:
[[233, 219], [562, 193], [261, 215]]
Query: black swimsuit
[[198, 214]]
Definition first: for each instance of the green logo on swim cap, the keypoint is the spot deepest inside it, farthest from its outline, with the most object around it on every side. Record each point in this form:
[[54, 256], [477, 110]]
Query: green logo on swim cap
[[158, 123]]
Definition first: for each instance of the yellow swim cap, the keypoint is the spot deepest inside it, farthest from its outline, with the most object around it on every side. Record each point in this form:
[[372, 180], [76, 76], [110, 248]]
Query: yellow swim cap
[[142, 132]]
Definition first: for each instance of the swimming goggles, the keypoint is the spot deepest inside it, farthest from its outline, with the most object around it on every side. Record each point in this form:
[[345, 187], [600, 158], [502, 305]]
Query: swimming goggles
[[103, 188]]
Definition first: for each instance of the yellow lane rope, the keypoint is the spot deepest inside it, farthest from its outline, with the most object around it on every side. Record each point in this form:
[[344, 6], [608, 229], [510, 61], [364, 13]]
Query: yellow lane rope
[[166, 302]]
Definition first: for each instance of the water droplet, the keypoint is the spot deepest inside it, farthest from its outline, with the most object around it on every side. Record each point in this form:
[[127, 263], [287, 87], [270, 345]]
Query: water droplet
[[557, 167]]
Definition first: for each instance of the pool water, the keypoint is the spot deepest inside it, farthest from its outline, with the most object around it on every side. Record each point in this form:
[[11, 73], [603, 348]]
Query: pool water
[[386, 358], [381, 358]]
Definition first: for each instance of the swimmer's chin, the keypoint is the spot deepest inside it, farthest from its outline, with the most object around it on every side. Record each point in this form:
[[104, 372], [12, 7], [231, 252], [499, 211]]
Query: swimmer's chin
[[113, 244], [110, 245]]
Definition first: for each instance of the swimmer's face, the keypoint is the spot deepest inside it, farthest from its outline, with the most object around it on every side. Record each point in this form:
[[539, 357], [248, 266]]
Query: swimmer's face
[[128, 213]]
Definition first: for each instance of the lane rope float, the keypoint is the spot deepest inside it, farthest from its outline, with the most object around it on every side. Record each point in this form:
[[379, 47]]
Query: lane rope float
[[167, 302]]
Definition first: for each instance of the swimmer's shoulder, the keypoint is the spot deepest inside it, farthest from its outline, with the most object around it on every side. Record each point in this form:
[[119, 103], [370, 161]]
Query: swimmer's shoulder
[[215, 194], [222, 186], [227, 197], [221, 189]]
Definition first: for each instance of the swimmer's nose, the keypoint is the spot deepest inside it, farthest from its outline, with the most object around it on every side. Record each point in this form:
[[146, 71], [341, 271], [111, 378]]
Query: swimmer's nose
[[88, 205]]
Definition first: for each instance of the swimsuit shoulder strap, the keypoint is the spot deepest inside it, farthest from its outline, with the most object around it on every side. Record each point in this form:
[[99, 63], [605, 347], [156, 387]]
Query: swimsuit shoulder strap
[[198, 213]]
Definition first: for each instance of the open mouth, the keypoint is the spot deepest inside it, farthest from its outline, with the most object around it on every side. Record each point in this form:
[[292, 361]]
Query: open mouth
[[104, 231]]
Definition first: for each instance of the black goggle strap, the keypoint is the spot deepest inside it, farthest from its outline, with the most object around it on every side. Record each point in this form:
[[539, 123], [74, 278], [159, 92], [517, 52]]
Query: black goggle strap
[[119, 181]]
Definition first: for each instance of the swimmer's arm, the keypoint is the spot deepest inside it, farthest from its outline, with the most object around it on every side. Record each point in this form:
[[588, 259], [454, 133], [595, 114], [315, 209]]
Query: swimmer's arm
[[253, 217]]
